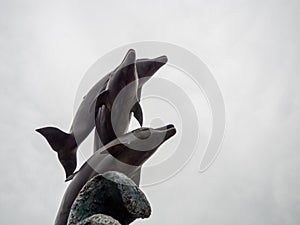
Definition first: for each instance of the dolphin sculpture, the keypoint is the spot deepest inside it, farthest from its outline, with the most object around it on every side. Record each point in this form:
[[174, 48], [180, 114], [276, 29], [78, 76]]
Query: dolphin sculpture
[[127, 154], [102, 93], [105, 132]]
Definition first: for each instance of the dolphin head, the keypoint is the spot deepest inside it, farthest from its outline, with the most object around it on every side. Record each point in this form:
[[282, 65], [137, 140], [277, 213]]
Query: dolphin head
[[147, 67], [136, 147], [152, 138], [125, 73]]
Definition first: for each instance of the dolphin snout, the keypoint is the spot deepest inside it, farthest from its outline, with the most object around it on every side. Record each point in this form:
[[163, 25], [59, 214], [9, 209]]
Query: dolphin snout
[[162, 59], [169, 131]]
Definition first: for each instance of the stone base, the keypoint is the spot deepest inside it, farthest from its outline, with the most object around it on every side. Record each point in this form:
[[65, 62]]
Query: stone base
[[110, 195]]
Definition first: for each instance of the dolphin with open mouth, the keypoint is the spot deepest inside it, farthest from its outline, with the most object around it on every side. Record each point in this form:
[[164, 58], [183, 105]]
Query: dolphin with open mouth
[[127, 154], [98, 103]]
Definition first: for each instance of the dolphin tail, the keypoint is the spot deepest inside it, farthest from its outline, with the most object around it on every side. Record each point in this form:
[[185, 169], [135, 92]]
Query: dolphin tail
[[64, 144], [57, 139]]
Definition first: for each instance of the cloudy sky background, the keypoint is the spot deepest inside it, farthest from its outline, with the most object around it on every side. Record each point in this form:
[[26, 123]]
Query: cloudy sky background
[[251, 47]]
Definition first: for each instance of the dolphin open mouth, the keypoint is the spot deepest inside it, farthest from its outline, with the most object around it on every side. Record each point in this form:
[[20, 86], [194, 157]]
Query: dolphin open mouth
[[169, 130]]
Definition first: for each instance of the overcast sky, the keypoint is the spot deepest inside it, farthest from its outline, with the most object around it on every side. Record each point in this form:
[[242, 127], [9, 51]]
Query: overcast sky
[[252, 49]]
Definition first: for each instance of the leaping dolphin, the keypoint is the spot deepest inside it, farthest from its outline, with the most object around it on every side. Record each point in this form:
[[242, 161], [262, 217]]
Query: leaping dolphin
[[127, 154], [65, 144], [105, 131]]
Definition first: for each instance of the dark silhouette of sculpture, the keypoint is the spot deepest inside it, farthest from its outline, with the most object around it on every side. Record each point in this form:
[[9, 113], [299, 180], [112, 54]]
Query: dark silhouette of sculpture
[[96, 194], [97, 102]]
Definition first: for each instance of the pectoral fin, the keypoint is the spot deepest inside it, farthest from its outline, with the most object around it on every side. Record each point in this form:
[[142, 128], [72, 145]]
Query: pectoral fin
[[99, 100], [138, 113]]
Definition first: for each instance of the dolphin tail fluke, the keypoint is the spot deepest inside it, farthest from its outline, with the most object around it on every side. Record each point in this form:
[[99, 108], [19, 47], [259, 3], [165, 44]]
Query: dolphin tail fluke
[[65, 146], [69, 163], [57, 139]]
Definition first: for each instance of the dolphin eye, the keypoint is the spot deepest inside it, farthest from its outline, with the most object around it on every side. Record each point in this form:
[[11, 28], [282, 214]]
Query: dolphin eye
[[142, 133]]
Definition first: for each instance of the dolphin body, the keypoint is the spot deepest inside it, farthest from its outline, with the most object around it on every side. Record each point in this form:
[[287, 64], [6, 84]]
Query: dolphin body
[[105, 130], [127, 154], [102, 95]]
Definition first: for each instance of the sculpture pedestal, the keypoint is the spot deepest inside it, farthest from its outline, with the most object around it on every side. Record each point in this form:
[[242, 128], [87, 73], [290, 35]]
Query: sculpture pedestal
[[111, 198]]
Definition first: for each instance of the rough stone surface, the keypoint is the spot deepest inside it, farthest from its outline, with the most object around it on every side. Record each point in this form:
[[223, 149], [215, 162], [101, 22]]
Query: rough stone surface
[[112, 194], [133, 198], [99, 219]]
